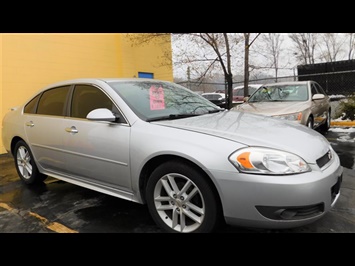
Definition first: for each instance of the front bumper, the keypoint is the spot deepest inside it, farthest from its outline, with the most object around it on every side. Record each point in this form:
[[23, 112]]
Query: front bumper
[[278, 201]]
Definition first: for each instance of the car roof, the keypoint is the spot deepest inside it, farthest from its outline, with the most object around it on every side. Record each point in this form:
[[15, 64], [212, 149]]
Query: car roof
[[107, 80], [213, 93], [98, 80], [288, 83], [94, 80], [250, 85]]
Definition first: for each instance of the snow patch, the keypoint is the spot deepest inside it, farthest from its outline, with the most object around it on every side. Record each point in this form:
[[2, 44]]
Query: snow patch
[[338, 96], [344, 130]]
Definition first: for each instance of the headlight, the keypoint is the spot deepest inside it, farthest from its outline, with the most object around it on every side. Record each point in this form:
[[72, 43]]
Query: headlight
[[291, 117], [267, 161]]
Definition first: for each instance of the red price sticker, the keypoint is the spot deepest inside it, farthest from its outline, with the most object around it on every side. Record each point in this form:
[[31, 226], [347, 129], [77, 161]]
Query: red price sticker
[[156, 97]]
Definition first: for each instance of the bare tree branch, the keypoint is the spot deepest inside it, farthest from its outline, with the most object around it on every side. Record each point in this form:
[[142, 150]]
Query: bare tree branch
[[351, 45], [305, 44], [333, 44]]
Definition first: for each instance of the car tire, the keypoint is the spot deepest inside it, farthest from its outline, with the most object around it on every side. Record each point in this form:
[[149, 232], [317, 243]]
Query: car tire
[[181, 200], [25, 164], [325, 127], [310, 122]]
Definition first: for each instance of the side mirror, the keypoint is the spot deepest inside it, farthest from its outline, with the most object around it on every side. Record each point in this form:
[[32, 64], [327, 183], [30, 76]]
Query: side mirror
[[318, 96], [101, 114]]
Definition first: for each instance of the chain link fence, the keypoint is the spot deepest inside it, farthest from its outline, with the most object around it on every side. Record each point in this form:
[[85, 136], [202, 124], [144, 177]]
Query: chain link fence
[[334, 83]]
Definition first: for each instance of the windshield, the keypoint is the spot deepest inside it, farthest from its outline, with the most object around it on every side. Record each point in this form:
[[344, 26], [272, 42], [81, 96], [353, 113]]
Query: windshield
[[151, 100], [284, 93]]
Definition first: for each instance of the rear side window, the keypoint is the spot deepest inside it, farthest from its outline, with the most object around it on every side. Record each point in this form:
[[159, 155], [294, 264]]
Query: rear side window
[[30, 108], [52, 101], [239, 92]]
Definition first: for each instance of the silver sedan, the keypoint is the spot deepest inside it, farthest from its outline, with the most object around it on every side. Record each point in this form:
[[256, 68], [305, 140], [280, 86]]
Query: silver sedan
[[192, 163]]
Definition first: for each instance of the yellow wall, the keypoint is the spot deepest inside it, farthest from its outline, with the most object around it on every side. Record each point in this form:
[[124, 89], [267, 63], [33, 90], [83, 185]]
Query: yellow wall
[[2, 107], [146, 57], [32, 61]]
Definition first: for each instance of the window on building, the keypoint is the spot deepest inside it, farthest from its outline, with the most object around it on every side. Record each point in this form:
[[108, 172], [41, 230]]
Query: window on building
[[145, 75]]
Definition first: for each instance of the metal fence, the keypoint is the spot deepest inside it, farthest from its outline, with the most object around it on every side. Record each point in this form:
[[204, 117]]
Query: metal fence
[[334, 83]]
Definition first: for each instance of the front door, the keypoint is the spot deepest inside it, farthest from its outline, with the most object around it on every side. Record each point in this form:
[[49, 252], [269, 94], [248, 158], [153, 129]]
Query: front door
[[97, 151]]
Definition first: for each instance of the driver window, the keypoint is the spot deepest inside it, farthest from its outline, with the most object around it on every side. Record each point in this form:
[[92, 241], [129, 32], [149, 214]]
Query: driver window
[[87, 98]]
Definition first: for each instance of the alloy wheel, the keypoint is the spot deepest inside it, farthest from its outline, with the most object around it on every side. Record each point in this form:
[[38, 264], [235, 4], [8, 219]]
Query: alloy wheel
[[24, 165], [179, 203]]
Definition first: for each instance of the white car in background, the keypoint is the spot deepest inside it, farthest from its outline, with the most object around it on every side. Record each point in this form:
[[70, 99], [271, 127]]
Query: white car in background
[[238, 92]]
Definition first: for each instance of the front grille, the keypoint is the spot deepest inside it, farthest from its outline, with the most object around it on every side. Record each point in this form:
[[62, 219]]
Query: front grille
[[324, 159], [291, 213], [336, 188]]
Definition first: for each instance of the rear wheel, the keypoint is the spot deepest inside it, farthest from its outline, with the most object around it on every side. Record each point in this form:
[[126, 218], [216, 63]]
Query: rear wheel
[[180, 199], [25, 164]]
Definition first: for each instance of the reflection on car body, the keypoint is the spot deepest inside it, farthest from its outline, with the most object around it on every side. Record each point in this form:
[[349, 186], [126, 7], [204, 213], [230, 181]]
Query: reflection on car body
[[192, 163]]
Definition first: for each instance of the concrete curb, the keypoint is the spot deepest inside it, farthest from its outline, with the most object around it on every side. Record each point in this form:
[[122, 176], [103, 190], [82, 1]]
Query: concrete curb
[[342, 123]]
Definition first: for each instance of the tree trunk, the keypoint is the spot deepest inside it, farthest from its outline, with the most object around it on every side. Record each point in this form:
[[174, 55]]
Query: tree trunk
[[229, 96], [246, 63]]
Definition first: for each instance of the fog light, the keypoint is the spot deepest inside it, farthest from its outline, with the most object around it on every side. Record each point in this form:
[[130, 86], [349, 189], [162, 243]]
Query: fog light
[[288, 214], [285, 214]]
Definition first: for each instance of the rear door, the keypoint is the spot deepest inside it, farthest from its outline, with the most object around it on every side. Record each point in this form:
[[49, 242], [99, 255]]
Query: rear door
[[44, 117]]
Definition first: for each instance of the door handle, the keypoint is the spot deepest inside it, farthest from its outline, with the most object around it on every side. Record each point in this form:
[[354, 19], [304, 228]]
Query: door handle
[[30, 124], [71, 130]]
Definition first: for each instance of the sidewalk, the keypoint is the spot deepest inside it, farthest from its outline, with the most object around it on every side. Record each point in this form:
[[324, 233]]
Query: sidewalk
[[342, 123]]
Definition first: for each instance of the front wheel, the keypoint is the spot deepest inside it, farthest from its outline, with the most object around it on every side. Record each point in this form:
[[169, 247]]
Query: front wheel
[[180, 199], [325, 127], [25, 164], [310, 122]]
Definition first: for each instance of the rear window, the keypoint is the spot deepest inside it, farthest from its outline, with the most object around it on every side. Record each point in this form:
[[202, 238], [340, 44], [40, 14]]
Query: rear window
[[30, 108], [239, 92], [52, 101]]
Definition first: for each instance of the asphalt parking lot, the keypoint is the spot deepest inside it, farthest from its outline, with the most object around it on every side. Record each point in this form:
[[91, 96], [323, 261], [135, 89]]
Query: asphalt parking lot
[[59, 207]]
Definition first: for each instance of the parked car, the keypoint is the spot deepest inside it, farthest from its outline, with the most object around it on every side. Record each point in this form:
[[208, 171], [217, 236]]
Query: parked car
[[217, 98], [238, 92], [304, 102], [192, 163]]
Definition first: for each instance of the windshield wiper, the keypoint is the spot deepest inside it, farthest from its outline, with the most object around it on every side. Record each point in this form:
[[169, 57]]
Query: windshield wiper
[[216, 110], [171, 117]]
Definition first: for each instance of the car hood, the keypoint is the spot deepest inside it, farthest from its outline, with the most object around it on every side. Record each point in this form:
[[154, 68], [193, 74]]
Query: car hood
[[256, 130], [273, 108]]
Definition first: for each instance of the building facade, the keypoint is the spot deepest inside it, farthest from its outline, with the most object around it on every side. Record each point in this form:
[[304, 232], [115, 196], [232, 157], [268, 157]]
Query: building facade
[[32, 61]]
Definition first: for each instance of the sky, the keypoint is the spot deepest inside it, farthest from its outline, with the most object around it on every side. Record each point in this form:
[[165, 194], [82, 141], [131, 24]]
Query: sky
[[288, 63], [181, 72]]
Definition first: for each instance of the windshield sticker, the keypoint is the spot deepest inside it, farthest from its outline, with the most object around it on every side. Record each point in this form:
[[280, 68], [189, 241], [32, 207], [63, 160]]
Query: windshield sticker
[[156, 97]]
